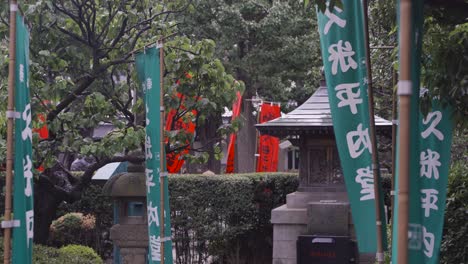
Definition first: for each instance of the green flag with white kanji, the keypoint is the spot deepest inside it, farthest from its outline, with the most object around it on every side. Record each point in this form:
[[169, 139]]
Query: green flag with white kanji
[[23, 210], [344, 58], [147, 64]]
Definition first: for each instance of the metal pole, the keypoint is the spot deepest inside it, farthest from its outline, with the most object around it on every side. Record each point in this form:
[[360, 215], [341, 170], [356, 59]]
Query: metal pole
[[10, 123], [404, 93], [162, 160], [375, 158]]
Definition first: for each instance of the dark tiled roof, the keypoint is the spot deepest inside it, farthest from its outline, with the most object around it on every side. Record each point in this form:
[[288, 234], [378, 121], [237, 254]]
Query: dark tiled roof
[[312, 117]]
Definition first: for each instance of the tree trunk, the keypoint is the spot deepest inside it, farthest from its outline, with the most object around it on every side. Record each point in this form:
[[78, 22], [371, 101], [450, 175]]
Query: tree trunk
[[46, 203]]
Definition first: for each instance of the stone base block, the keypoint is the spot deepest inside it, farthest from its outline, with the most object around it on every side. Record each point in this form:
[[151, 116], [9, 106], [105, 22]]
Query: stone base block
[[288, 224], [133, 255], [328, 218], [301, 199]]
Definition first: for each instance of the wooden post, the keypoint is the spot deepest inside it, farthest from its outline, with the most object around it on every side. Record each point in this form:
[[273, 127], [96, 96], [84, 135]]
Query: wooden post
[[162, 159], [404, 93], [10, 123], [375, 158]]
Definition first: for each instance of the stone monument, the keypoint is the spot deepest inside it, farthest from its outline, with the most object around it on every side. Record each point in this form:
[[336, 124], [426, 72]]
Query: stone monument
[[130, 230], [320, 206]]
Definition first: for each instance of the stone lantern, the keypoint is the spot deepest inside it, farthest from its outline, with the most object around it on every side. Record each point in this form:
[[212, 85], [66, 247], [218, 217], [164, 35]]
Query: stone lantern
[[320, 206], [130, 230]]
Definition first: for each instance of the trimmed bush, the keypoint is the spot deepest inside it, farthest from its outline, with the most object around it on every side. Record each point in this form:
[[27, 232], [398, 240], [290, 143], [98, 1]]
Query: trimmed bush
[[78, 254], [72, 228], [43, 254], [71, 254], [93, 202]]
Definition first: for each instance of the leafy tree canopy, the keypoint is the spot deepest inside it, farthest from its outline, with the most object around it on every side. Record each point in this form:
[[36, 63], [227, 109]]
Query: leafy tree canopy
[[271, 45], [82, 76]]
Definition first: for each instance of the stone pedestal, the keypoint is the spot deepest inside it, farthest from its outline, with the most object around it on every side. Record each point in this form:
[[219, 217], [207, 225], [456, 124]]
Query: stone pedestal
[[310, 213], [132, 240]]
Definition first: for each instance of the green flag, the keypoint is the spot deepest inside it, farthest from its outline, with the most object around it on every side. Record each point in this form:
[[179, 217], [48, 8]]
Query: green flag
[[435, 142], [147, 64], [23, 209], [344, 58]]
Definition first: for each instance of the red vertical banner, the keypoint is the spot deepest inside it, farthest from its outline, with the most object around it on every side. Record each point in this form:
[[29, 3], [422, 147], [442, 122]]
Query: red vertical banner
[[174, 161], [43, 131], [232, 141], [268, 146]]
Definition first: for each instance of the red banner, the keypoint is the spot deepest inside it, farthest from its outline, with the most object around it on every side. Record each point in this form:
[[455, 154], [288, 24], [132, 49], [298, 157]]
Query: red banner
[[42, 131], [232, 141], [268, 146], [174, 161]]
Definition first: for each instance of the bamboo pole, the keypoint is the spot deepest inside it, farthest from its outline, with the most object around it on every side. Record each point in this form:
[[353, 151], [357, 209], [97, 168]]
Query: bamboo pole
[[162, 159], [10, 123], [404, 93], [394, 136], [375, 158]]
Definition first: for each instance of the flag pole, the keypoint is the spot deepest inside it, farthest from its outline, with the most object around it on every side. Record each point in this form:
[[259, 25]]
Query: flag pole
[[162, 160], [375, 158], [10, 122], [404, 93], [394, 135]]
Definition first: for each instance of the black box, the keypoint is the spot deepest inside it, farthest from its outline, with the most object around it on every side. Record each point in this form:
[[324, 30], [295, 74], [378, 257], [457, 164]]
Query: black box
[[325, 250]]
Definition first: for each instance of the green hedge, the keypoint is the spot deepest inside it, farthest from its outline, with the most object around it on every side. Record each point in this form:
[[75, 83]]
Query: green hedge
[[71, 254], [226, 217]]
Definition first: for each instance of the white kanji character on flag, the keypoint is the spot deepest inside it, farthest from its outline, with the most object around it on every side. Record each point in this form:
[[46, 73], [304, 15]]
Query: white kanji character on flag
[[29, 226], [344, 92], [333, 19], [153, 216], [341, 55], [358, 141], [428, 239], [147, 114], [432, 127], [149, 179], [429, 163], [28, 175], [149, 83], [365, 178], [429, 201], [27, 131], [148, 146]]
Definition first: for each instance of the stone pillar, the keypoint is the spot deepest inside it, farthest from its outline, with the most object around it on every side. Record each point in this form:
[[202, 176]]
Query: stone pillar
[[132, 239]]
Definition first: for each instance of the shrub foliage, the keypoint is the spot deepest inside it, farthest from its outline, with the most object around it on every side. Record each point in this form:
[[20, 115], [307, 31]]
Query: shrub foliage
[[226, 217], [73, 228], [454, 248]]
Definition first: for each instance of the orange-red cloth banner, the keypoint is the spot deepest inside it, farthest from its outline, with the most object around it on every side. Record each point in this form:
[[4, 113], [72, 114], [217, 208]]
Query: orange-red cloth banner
[[174, 161], [232, 141], [268, 146], [43, 132]]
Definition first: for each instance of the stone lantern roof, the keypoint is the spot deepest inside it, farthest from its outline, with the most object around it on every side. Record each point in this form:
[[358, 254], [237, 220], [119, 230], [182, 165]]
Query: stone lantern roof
[[311, 118]]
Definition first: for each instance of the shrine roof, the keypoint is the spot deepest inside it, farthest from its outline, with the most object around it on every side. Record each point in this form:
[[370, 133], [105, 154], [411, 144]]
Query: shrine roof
[[312, 117]]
